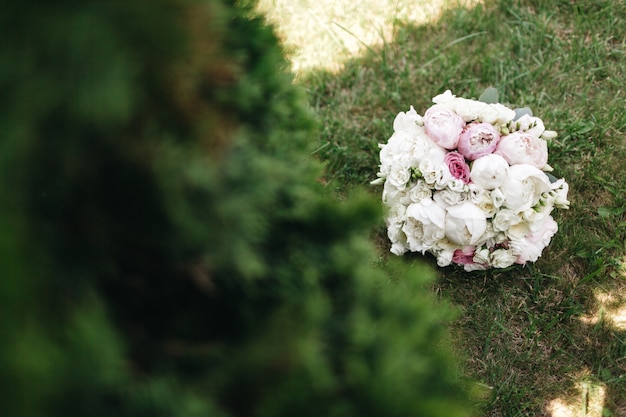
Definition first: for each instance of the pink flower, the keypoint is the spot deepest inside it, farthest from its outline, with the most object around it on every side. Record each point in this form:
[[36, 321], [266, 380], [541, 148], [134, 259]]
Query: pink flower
[[478, 139], [457, 166], [523, 148], [464, 256], [535, 242], [443, 126]]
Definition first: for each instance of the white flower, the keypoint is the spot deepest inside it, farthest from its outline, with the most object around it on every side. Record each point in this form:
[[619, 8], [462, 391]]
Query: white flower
[[486, 205], [394, 196], [424, 225], [444, 251], [444, 97], [399, 176], [420, 191], [407, 122], [497, 196], [504, 219], [435, 174], [491, 213], [503, 115], [529, 124], [489, 171], [421, 147], [523, 187], [395, 221], [481, 256], [502, 258], [457, 185], [465, 223], [560, 188], [447, 197], [475, 193]]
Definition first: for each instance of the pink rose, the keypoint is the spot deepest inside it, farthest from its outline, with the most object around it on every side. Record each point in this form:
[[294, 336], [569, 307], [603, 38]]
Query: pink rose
[[457, 166], [523, 148], [443, 126], [478, 139]]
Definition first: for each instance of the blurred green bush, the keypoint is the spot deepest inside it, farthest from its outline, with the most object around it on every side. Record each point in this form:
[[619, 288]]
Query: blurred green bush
[[167, 249]]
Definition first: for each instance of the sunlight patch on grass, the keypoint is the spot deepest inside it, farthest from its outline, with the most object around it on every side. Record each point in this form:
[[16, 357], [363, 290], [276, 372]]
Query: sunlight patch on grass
[[323, 34], [611, 309], [588, 402]]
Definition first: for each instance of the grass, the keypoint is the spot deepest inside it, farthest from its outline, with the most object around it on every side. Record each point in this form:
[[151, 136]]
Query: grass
[[548, 339]]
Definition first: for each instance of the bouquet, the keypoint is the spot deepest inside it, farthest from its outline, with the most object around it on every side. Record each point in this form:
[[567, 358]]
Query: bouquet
[[469, 182]]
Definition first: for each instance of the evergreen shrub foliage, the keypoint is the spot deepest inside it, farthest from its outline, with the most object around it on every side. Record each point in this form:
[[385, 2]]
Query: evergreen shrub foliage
[[167, 249]]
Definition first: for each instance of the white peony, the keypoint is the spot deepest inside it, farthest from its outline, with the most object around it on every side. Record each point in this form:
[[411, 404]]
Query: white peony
[[424, 226], [465, 223], [489, 171], [523, 186]]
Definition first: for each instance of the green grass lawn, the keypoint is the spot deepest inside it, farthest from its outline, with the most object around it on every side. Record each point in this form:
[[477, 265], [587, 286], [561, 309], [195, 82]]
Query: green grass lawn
[[547, 339]]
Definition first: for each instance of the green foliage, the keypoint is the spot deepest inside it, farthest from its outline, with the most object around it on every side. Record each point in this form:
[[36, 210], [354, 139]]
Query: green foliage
[[167, 248]]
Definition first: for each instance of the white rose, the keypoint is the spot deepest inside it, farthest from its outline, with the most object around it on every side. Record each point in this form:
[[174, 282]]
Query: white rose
[[399, 176], [475, 193], [523, 186], [424, 226], [447, 197], [444, 250], [457, 185], [392, 195], [489, 171], [481, 256], [486, 205], [491, 237], [503, 115], [444, 258], [502, 258], [504, 219], [434, 174], [465, 223], [497, 196], [420, 191], [469, 110]]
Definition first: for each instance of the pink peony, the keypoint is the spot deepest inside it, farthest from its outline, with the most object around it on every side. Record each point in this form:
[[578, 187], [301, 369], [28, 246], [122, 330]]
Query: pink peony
[[523, 148], [478, 139], [443, 126], [535, 242], [457, 166]]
